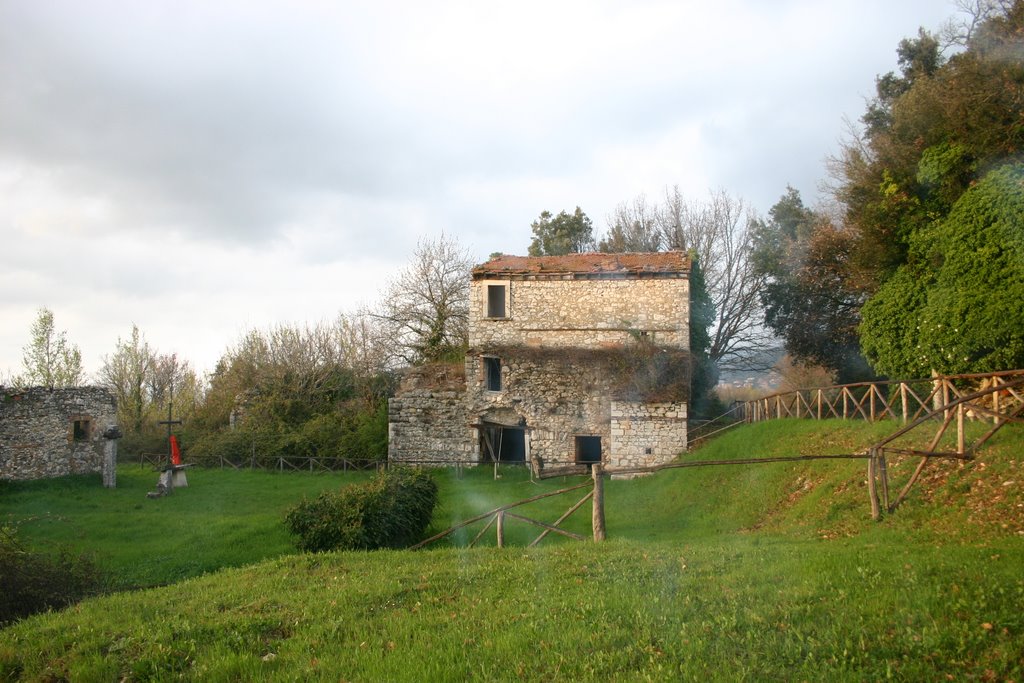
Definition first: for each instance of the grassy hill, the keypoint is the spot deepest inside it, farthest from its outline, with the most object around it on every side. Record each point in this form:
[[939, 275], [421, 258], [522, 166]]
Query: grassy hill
[[723, 573]]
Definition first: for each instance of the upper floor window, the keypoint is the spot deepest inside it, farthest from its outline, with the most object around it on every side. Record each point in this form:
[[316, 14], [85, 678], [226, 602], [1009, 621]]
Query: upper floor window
[[496, 301]]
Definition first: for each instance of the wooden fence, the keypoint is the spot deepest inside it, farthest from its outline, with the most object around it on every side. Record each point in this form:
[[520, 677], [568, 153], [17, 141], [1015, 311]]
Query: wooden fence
[[903, 400], [275, 463], [498, 516], [998, 397]]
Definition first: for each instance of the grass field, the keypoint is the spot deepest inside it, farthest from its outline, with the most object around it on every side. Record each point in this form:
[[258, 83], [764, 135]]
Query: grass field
[[773, 572]]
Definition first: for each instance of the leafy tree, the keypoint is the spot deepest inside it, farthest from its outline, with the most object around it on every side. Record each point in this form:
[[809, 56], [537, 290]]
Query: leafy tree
[[49, 360], [561, 234], [425, 308], [125, 373], [810, 293], [956, 306], [933, 137], [932, 133], [703, 373]]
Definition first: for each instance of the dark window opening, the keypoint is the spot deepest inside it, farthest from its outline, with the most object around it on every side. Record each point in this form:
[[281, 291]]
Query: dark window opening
[[502, 444], [492, 373], [81, 430], [495, 301], [588, 449]]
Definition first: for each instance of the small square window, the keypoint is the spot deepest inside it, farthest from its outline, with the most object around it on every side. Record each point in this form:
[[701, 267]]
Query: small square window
[[588, 450], [496, 301], [492, 373], [81, 430]]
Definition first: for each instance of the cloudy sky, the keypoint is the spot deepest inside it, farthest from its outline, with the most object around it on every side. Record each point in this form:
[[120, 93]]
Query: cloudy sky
[[205, 168]]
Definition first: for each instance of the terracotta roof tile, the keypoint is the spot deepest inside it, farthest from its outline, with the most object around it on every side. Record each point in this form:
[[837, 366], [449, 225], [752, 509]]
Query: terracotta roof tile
[[589, 263]]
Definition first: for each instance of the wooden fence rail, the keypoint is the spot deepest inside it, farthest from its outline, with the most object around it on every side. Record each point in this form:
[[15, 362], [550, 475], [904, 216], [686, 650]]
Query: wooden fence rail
[[904, 400]]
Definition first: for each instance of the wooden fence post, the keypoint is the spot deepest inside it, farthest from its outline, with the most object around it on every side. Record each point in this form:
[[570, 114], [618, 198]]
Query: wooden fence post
[[903, 400], [960, 439], [884, 473], [995, 401], [500, 526], [876, 512], [598, 503]]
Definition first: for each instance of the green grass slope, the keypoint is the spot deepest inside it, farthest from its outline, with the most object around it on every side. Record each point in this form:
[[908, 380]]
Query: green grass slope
[[225, 518], [766, 572]]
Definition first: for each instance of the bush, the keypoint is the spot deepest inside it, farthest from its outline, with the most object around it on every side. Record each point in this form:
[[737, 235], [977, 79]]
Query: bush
[[33, 582], [390, 511]]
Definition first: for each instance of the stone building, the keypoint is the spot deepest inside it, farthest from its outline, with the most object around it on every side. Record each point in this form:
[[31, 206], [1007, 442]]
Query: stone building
[[54, 432], [573, 359]]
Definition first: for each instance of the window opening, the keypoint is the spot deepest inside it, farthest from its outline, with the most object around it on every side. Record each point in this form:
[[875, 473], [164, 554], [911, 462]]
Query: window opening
[[496, 301], [588, 450], [492, 373], [81, 430]]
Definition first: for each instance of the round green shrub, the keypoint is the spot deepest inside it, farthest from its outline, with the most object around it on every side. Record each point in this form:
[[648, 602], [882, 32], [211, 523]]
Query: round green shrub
[[390, 511]]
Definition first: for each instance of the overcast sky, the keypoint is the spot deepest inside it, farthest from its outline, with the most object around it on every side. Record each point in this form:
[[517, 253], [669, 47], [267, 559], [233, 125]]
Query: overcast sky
[[201, 169]]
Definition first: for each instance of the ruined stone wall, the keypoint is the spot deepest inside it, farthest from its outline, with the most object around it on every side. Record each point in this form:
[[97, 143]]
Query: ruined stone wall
[[53, 432], [583, 312], [557, 400], [645, 434], [427, 421]]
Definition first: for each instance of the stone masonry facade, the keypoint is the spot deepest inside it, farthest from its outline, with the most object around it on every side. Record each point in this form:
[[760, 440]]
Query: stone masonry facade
[[53, 432], [572, 359]]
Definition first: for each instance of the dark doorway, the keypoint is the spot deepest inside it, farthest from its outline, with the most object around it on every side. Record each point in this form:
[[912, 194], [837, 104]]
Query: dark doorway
[[588, 449], [503, 444]]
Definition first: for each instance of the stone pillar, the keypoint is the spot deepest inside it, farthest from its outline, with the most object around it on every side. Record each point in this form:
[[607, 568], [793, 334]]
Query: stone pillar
[[111, 435]]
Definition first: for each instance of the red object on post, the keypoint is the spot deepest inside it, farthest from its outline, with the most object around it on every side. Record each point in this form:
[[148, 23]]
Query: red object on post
[[175, 452]]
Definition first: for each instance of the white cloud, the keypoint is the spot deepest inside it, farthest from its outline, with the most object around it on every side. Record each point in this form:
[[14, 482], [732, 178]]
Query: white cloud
[[203, 168]]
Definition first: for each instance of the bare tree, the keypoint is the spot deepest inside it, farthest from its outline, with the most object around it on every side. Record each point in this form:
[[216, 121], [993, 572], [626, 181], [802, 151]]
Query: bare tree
[[633, 226], [958, 31], [718, 229], [425, 309]]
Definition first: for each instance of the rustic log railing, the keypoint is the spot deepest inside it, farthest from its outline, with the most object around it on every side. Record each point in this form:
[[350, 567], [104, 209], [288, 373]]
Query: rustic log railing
[[904, 400], [497, 516]]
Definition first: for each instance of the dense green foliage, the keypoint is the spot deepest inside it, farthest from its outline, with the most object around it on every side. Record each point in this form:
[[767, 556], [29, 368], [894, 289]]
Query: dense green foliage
[[917, 205], [955, 306], [703, 373], [390, 511], [294, 393], [562, 234], [810, 299], [36, 582]]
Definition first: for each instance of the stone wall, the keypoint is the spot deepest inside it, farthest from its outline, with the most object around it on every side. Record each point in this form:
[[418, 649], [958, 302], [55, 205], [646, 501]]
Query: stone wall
[[53, 432], [645, 434], [557, 397], [583, 312], [427, 420], [563, 351]]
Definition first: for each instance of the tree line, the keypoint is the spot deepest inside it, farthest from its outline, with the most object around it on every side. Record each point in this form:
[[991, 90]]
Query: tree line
[[914, 264]]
